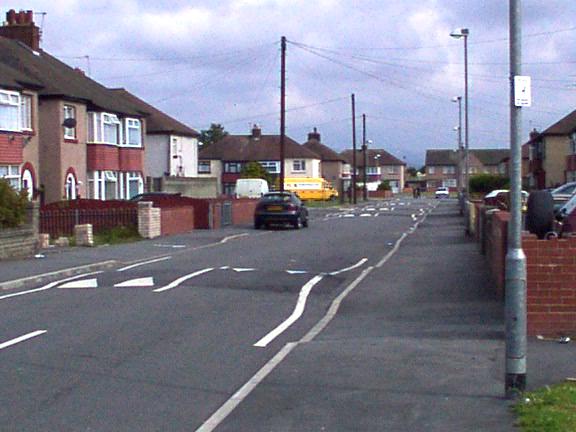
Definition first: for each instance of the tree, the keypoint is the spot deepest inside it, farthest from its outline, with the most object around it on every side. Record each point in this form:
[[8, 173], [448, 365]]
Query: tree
[[384, 185], [412, 171], [215, 133], [255, 170], [484, 183]]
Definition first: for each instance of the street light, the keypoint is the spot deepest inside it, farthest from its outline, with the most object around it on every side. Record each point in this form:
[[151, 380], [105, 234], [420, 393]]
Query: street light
[[458, 34]]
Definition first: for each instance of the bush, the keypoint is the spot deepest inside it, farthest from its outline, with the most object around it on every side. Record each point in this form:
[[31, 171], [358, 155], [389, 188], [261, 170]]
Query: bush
[[384, 185], [484, 183], [12, 205]]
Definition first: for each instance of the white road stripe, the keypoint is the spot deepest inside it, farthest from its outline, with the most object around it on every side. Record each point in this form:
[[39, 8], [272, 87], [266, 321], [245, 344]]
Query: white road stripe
[[182, 279], [232, 237], [296, 271], [297, 313], [48, 286], [140, 282], [240, 270], [22, 338], [84, 283], [144, 263], [352, 267]]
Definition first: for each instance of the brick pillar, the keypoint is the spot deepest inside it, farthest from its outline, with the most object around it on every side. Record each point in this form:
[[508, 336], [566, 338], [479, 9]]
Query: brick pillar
[[148, 220], [83, 235]]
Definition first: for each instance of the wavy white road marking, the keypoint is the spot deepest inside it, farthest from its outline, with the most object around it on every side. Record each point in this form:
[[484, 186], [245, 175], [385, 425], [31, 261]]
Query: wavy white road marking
[[352, 267], [22, 338], [144, 263], [297, 313], [178, 281], [48, 286], [140, 282], [84, 283]]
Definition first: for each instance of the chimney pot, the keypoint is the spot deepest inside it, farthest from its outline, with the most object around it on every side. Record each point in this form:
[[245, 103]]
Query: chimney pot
[[256, 131], [314, 135], [11, 17]]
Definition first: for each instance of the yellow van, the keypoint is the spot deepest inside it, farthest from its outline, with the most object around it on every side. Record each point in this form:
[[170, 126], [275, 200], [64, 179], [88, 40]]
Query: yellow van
[[311, 188]]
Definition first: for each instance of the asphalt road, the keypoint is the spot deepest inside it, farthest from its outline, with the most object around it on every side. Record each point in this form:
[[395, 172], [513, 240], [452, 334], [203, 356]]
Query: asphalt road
[[165, 345]]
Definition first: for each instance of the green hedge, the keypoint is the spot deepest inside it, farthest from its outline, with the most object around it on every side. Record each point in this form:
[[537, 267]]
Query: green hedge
[[12, 205], [484, 183]]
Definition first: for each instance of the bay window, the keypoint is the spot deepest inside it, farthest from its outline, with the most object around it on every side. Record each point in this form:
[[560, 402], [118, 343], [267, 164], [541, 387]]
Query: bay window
[[10, 111], [11, 173], [133, 132]]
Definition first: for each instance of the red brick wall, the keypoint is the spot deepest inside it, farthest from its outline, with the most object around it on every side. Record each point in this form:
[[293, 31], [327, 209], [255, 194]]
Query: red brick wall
[[11, 150], [243, 211], [103, 157], [551, 266], [131, 159], [551, 277], [176, 220]]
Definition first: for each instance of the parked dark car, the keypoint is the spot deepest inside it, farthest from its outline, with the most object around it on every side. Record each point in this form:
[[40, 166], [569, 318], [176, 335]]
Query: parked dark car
[[280, 208], [151, 196]]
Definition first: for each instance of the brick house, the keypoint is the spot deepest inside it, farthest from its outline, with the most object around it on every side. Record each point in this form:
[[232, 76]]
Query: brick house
[[85, 140], [332, 164], [552, 154], [18, 130], [226, 158], [380, 165], [442, 165]]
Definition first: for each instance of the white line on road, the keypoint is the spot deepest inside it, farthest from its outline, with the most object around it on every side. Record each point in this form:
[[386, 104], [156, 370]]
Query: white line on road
[[144, 263], [240, 269], [297, 313], [182, 279], [48, 286], [22, 338], [84, 283], [352, 267], [232, 237], [140, 282]]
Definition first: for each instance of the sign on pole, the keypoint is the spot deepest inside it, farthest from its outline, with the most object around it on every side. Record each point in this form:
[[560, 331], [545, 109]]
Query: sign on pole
[[522, 91]]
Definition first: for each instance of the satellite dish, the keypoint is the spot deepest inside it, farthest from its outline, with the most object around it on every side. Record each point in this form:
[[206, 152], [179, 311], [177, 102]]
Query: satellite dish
[[69, 123]]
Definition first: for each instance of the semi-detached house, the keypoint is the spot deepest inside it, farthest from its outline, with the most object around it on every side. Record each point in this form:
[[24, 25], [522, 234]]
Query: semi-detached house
[[62, 134]]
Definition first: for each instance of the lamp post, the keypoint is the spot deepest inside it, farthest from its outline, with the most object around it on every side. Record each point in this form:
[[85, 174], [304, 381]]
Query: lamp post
[[458, 34], [458, 100]]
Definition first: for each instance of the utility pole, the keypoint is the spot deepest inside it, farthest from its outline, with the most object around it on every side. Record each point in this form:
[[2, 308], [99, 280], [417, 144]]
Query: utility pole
[[364, 152], [515, 282], [353, 150], [282, 110]]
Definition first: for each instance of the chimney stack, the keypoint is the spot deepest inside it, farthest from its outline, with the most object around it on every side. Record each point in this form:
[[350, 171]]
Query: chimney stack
[[256, 132], [534, 134], [314, 135], [20, 26]]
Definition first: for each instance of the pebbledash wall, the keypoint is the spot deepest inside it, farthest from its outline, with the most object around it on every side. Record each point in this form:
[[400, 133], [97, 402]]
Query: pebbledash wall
[[22, 241], [551, 275]]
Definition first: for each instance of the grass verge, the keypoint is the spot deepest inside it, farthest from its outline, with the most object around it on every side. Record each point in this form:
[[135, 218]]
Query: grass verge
[[551, 409]]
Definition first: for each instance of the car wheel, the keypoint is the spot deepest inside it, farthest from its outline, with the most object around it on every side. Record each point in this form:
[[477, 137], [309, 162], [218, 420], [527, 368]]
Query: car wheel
[[305, 223], [540, 213], [298, 223]]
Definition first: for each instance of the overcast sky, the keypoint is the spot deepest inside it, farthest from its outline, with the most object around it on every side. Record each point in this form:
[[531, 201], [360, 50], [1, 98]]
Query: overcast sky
[[218, 61]]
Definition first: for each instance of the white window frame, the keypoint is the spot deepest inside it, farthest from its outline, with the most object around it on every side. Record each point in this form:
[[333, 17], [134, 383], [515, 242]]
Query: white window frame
[[236, 170], [133, 124], [12, 174], [26, 112], [132, 177], [271, 167], [204, 167], [372, 170], [97, 122], [69, 111], [391, 170], [11, 100], [431, 170], [299, 165]]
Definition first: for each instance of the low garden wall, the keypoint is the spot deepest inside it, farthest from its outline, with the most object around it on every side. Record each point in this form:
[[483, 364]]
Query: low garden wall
[[551, 275], [21, 241]]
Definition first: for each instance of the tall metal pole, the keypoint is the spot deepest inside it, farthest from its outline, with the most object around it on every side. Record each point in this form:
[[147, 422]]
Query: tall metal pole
[[465, 33], [353, 149], [282, 110], [515, 281], [365, 155]]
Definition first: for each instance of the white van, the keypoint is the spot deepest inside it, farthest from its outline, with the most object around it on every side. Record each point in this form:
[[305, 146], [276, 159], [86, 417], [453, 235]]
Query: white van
[[251, 188]]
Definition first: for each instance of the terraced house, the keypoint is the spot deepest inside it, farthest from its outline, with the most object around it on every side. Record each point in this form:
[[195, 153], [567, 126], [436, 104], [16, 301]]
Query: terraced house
[[62, 134]]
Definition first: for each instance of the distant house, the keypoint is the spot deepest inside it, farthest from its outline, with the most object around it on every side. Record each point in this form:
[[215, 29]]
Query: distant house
[[552, 154], [226, 158], [332, 163], [171, 146], [442, 167], [380, 165], [63, 133]]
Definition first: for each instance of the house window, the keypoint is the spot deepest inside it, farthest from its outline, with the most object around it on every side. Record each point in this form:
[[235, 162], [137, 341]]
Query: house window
[[11, 173], [573, 142], [232, 167], [229, 188], [298, 165], [9, 111], [391, 170], [111, 128], [134, 184], [449, 169], [372, 170], [69, 113], [431, 170], [26, 112], [271, 167], [110, 185], [133, 132], [451, 183], [204, 167]]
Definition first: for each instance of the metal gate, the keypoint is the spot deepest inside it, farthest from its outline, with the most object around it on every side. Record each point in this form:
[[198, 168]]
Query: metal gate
[[226, 213]]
